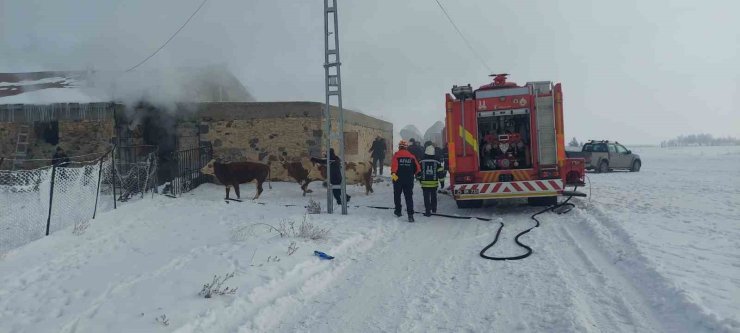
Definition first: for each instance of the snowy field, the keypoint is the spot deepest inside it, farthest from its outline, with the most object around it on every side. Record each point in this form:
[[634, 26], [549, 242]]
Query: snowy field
[[654, 251]]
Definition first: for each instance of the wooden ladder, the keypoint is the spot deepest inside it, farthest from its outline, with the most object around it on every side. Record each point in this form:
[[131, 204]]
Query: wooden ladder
[[21, 145]]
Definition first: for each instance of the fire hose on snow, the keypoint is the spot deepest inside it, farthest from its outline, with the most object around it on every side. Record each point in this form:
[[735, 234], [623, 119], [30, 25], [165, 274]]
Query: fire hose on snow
[[560, 208]]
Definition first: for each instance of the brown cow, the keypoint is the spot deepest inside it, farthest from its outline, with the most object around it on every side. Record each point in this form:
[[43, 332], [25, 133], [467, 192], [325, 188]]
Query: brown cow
[[235, 173], [355, 173], [303, 171]]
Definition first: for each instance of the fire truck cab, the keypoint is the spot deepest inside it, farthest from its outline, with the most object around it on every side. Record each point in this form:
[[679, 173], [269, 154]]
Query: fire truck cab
[[507, 141]]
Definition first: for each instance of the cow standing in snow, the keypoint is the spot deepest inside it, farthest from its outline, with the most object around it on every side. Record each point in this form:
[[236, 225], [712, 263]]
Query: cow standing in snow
[[306, 171], [303, 171], [235, 173]]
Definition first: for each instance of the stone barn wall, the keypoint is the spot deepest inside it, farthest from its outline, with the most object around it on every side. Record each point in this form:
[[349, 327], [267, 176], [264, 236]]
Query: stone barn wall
[[291, 130], [76, 138], [79, 133]]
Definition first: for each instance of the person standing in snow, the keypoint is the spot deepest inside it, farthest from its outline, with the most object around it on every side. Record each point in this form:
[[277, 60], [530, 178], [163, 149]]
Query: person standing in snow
[[404, 167], [60, 158], [335, 178], [415, 149], [431, 175], [377, 151]]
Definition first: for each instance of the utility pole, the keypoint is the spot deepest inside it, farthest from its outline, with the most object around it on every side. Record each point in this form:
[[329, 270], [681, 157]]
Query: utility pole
[[333, 81]]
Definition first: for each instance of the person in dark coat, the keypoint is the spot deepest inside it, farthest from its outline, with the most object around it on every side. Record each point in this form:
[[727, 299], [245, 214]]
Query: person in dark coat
[[60, 158], [404, 168], [431, 175], [335, 176], [416, 149], [377, 152]]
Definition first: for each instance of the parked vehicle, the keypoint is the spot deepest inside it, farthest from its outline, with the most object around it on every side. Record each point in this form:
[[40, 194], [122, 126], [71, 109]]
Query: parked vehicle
[[605, 156], [507, 141]]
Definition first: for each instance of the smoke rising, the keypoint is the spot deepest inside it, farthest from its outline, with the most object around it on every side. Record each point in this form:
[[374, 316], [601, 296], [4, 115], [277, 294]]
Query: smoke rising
[[633, 71]]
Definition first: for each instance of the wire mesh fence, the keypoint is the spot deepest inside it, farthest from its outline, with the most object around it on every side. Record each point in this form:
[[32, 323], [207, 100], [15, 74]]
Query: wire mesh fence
[[135, 172], [37, 202], [24, 206]]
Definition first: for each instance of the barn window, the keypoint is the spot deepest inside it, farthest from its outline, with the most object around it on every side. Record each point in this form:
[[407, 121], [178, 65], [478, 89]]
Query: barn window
[[47, 131], [351, 143]]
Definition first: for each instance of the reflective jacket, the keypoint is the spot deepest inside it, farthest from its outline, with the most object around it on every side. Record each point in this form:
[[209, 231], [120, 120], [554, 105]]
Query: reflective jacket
[[405, 166], [432, 172]]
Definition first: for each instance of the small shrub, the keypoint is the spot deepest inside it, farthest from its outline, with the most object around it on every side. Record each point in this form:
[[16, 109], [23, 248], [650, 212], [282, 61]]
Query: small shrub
[[286, 228], [216, 287], [311, 231], [292, 248], [80, 227], [313, 207], [163, 320]]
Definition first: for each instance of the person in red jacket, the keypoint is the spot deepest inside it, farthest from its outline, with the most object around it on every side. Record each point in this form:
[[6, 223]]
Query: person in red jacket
[[404, 168]]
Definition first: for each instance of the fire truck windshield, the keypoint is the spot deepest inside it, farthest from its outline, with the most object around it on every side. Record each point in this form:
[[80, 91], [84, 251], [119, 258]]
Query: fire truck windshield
[[504, 140]]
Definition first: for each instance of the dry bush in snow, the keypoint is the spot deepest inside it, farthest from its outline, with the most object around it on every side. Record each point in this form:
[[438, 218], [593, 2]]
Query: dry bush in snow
[[292, 248], [311, 231], [305, 230], [287, 228], [216, 286], [80, 227], [313, 207], [163, 320]]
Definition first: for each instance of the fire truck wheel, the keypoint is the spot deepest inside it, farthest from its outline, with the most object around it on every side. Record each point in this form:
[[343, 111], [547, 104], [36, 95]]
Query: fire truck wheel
[[469, 203], [636, 166], [603, 167], [542, 201]]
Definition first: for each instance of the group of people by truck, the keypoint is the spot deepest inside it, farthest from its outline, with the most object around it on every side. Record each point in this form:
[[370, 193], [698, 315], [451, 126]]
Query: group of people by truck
[[406, 167], [409, 164]]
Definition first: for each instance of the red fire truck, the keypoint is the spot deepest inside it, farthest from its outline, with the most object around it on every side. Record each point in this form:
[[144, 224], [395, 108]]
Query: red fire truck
[[506, 141]]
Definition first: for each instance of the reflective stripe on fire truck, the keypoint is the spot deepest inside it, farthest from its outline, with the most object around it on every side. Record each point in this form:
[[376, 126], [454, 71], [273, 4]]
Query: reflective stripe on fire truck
[[523, 187], [469, 138], [493, 176]]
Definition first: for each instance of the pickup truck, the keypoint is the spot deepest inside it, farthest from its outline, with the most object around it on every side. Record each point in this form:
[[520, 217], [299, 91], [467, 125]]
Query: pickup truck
[[604, 156]]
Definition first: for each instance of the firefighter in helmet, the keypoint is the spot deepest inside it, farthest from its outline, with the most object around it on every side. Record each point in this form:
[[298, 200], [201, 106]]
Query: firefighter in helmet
[[404, 168]]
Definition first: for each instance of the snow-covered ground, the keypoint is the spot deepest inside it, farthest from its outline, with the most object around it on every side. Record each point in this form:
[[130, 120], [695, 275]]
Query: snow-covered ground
[[654, 251]]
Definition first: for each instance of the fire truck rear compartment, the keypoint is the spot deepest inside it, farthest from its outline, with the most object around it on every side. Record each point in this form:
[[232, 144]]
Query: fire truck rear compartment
[[504, 140]]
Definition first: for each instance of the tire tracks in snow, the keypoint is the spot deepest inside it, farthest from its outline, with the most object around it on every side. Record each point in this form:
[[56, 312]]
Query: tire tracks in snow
[[264, 305], [648, 291]]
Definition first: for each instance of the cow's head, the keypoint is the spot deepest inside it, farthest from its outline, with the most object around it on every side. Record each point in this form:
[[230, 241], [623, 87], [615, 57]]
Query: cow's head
[[208, 169]]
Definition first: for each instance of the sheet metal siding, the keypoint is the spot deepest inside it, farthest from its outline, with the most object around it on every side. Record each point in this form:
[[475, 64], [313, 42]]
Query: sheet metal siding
[[28, 113]]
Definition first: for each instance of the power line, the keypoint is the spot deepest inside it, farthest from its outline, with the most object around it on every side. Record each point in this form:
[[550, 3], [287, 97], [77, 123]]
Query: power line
[[483, 62], [169, 39]]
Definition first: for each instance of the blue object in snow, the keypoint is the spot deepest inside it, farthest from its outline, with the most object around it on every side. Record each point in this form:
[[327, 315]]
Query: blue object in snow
[[322, 255]]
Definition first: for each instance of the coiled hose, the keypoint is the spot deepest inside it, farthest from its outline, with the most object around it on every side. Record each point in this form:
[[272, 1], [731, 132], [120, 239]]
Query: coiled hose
[[554, 208]]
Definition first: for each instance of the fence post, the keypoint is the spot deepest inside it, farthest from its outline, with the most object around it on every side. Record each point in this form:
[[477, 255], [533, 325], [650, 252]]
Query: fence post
[[113, 174], [51, 197], [97, 193]]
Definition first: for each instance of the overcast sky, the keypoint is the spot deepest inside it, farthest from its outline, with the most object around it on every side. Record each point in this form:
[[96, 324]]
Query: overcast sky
[[634, 71]]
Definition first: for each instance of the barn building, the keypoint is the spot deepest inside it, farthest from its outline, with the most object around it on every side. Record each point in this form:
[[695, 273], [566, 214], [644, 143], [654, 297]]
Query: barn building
[[36, 116]]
